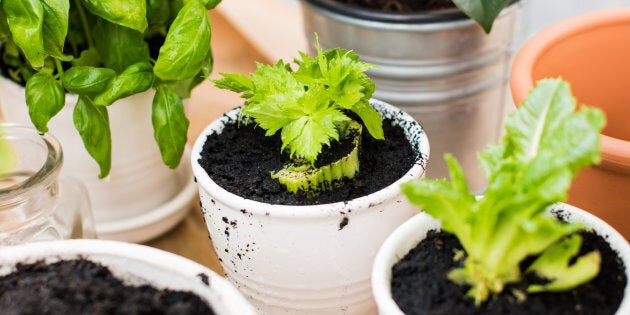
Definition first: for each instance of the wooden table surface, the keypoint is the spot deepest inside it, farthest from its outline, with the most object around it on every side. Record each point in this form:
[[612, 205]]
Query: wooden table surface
[[232, 53]]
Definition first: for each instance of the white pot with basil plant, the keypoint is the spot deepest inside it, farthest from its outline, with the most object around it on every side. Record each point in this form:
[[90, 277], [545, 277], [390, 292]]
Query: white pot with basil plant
[[300, 186], [517, 248], [118, 71]]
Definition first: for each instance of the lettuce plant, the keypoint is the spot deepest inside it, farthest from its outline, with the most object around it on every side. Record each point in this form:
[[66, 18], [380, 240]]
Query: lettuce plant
[[308, 106], [100, 51], [546, 142]]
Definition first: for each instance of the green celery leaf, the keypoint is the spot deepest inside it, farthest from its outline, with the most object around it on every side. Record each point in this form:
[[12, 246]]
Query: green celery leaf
[[235, 82], [170, 125], [92, 122], [45, 97]]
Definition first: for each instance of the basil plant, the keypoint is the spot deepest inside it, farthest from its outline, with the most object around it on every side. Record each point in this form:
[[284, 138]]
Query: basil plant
[[105, 50]]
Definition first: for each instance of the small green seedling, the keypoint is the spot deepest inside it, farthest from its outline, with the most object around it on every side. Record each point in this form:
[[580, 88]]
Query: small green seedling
[[308, 107], [546, 142]]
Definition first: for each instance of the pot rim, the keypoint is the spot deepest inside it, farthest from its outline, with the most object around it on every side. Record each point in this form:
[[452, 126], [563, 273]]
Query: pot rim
[[436, 16], [308, 211], [219, 292], [615, 152], [399, 242]]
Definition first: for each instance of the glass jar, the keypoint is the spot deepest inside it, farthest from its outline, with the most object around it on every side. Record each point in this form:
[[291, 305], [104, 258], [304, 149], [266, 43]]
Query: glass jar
[[36, 204]]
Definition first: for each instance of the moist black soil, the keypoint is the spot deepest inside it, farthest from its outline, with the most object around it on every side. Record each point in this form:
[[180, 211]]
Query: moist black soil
[[241, 158], [84, 287], [401, 6], [432, 259]]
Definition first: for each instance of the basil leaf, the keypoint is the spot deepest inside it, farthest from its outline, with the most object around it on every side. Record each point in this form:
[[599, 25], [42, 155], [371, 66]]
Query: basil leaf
[[129, 13], [25, 19], [186, 45], [210, 4], [158, 12], [108, 39], [135, 79], [45, 97], [88, 57], [55, 27], [84, 80], [170, 125], [92, 122]]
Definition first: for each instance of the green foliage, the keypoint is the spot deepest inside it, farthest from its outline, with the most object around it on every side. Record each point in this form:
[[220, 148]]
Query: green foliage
[[307, 104], [546, 142], [484, 12], [99, 50]]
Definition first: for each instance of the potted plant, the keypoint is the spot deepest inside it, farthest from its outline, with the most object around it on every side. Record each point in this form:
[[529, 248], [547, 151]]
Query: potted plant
[[107, 277], [508, 255], [296, 188], [602, 189], [95, 63], [434, 62]]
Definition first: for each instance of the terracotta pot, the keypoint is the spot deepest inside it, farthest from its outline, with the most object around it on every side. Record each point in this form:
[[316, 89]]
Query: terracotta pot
[[412, 232], [591, 52]]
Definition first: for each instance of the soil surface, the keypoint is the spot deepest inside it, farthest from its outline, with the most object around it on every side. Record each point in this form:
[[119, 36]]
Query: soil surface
[[83, 287], [402, 6], [240, 160], [432, 259]]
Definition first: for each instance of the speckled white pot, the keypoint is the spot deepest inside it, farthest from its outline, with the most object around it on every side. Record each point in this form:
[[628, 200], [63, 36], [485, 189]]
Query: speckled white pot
[[412, 232], [136, 265], [313, 259], [141, 198]]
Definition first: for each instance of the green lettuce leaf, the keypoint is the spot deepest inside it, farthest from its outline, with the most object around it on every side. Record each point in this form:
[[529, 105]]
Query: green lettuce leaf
[[547, 141]]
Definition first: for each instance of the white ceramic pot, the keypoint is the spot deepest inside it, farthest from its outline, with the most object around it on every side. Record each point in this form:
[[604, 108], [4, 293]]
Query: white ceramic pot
[[142, 198], [312, 259], [412, 232], [136, 265]]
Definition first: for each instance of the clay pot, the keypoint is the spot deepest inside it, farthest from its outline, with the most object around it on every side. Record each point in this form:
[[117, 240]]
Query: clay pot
[[591, 52]]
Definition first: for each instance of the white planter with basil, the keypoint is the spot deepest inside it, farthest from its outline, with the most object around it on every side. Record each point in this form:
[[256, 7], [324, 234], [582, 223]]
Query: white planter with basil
[[310, 259], [141, 198]]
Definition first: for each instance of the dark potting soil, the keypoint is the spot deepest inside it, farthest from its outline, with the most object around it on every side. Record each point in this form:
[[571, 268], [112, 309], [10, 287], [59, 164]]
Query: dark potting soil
[[402, 6], [241, 158], [84, 287], [432, 259]]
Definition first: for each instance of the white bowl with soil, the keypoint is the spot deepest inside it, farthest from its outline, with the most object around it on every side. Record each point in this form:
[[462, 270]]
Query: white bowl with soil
[[107, 277], [405, 251], [291, 254]]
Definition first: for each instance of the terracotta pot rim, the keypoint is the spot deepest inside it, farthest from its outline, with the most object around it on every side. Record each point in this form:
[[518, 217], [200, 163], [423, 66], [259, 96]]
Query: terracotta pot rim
[[615, 152]]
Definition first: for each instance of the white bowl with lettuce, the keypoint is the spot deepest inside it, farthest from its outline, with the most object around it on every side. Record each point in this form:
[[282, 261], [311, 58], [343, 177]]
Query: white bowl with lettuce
[[307, 259], [529, 172]]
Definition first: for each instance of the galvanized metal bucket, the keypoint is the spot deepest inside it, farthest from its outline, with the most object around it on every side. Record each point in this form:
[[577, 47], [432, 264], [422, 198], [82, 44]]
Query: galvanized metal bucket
[[440, 67]]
